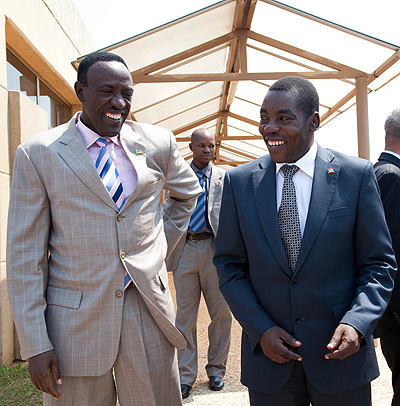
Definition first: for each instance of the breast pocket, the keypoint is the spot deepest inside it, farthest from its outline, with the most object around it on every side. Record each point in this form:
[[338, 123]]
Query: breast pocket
[[339, 212]]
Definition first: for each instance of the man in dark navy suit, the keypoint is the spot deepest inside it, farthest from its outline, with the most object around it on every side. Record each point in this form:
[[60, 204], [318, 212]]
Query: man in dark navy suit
[[305, 260]]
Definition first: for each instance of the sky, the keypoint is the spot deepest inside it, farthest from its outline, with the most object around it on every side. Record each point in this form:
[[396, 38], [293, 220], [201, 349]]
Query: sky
[[110, 24]]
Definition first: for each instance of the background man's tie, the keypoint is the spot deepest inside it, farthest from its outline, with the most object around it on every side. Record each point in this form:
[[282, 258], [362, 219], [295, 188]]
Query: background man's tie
[[198, 220], [288, 217], [110, 177]]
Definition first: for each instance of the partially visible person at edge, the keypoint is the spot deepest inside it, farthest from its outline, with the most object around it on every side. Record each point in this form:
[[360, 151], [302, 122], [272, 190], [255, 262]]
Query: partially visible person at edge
[[387, 171], [194, 272], [305, 261], [87, 241]]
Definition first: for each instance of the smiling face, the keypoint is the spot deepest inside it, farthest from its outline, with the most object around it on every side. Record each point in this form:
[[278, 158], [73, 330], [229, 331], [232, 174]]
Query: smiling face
[[203, 148], [106, 100], [288, 134]]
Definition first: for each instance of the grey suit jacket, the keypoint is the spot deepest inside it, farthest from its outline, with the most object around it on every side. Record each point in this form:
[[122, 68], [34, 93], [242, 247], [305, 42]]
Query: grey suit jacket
[[344, 272], [68, 246], [213, 210]]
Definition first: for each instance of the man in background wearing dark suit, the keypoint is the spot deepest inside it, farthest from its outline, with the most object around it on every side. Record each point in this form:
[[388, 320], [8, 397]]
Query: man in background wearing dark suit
[[387, 171], [305, 261]]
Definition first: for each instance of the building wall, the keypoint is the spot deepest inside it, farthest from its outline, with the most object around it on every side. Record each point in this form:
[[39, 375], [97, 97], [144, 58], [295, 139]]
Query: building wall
[[47, 35]]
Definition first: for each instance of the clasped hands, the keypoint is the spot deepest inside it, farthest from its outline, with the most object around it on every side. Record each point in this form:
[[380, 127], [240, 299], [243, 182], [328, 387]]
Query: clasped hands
[[278, 345]]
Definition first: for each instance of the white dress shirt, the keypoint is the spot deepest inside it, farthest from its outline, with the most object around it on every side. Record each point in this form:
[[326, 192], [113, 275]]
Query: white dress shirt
[[302, 180]]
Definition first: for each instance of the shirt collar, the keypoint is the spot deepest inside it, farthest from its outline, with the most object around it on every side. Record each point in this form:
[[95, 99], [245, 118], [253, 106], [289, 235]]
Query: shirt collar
[[206, 170], [90, 137], [392, 153], [306, 163]]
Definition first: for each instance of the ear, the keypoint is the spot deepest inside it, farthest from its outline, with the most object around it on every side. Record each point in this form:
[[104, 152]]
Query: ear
[[190, 147], [315, 121], [79, 91]]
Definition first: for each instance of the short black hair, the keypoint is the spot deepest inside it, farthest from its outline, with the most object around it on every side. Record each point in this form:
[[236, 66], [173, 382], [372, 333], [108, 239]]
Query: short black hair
[[307, 95], [91, 59], [392, 125]]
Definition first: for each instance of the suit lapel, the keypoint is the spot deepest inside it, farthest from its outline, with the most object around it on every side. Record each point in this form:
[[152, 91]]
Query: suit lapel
[[215, 187], [325, 180], [264, 186], [74, 153]]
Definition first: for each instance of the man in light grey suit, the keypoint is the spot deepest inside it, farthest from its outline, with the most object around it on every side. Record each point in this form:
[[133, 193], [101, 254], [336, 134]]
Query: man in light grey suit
[[194, 272], [87, 241], [305, 261]]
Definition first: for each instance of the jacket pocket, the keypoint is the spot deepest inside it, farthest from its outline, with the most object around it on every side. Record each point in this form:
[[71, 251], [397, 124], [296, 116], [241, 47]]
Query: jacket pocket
[[339, 212], [64, 297]]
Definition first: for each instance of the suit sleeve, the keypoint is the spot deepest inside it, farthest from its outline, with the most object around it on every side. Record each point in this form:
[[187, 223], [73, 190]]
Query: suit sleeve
[[232, 265], [183, 187], [29, 223], [374, 259]]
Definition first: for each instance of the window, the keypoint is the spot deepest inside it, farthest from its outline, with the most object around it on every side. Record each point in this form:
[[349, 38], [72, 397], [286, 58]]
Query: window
[[22, 79]]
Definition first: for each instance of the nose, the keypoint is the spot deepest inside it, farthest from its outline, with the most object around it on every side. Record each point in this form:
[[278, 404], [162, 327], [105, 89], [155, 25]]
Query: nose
[[118, 101], [270, 127]]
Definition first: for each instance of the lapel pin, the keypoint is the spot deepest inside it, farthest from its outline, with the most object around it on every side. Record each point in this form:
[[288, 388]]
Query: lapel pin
[[330, 170], [139, 152], [218, 183]]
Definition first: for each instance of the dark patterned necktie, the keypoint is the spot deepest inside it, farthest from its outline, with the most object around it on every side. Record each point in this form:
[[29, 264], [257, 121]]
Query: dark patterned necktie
[[198, 219], [288, 217]]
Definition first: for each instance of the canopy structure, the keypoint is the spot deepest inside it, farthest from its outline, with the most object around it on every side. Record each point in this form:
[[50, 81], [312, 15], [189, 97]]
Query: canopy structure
[[213, 68]]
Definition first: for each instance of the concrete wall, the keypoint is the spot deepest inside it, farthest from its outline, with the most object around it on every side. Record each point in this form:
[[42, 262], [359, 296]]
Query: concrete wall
[[47, 35]]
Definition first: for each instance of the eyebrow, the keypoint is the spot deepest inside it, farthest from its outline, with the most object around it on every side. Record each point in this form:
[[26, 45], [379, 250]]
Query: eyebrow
[[283, 111]]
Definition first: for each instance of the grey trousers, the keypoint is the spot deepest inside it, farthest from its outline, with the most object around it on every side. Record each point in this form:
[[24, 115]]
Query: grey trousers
[[196, 273], [145, 372]]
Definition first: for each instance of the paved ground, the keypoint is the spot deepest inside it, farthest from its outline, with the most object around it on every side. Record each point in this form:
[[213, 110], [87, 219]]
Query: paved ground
[[234, 393]]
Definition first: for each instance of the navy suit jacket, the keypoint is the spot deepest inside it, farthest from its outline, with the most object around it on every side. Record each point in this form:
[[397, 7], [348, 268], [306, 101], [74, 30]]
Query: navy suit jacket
[[344, 272], [387, 171]]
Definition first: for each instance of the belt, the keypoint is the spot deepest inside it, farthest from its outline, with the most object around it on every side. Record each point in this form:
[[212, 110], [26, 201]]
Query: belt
[[194, 237]]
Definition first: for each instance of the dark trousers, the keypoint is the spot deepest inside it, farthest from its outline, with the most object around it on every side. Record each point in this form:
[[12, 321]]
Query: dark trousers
[[390, 344], [299, 391]]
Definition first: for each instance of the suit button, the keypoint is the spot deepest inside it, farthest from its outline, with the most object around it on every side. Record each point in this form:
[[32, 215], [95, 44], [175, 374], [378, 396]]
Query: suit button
[[123, 255], [119, 218], [119, 293], [295, 283], [297, 319]]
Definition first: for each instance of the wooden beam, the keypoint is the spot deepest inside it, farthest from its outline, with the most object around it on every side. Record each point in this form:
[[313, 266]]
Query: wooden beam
[[362, 117], [304, 54], [195, 124], [221, 138], [243, 53], [220, 77], [244, 119], [224, 39], [238, 152]]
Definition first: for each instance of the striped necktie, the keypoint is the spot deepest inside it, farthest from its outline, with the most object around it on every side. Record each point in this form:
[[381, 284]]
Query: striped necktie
[[198, 220], [109, 175], [288, 216]]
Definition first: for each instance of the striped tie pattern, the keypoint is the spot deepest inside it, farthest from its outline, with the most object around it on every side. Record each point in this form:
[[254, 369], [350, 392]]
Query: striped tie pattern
[[198, 220], [288, 217], [109, 175]]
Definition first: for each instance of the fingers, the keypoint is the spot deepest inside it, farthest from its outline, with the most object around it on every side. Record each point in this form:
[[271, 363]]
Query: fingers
[[40, 367], [344, 342], [278, 345]]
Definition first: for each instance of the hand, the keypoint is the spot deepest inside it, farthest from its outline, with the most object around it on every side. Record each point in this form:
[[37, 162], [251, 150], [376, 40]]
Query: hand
[[345, 341], [39, 369], [278, 345]]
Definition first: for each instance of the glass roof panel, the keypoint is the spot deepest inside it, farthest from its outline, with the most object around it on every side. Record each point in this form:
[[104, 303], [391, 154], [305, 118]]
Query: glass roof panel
[[190, 115], [184, 101], [317, 38], [180, 35]]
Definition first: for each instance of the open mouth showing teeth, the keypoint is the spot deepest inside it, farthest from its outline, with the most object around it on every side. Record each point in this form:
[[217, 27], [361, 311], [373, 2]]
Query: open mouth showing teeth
[[275, 143], [114, 116]]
